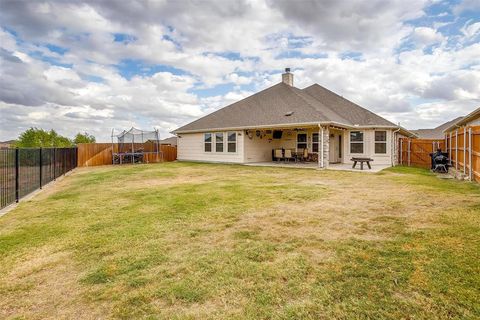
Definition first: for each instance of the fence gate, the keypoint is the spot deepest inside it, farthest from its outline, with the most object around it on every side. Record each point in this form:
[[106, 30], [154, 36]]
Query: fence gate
[[416, 152]]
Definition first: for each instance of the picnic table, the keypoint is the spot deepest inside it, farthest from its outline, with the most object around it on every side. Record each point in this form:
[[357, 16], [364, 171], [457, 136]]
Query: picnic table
[[361, 160]]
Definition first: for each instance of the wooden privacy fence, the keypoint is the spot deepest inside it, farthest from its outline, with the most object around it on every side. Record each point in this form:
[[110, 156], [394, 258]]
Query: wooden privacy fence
[[462, 145], [99, 154], [416, 152]]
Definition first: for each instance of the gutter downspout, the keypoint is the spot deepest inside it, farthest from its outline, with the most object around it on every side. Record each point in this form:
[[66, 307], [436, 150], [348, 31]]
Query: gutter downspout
[[394, 146]]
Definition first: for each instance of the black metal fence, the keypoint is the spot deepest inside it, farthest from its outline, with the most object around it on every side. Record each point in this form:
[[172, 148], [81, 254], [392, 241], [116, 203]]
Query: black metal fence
[[25, 170]]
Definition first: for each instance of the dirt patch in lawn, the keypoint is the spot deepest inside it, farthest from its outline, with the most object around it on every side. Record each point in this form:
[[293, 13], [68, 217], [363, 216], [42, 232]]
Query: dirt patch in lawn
[[45, 285]]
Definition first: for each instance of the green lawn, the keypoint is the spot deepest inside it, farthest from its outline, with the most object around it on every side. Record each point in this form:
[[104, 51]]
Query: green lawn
[[204, 241]]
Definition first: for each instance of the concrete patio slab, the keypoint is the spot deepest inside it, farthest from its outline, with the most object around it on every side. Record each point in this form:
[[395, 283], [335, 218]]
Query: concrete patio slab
[[314, 165]]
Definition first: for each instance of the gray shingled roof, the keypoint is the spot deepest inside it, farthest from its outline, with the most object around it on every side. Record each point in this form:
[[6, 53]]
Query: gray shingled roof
[[475, 114], [170, 140], [349, 110], [269, 107], [435, 133]]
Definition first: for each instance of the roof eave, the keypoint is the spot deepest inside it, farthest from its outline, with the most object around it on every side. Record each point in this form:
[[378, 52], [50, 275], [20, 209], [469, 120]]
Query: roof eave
[[469, 117], [288, 125]]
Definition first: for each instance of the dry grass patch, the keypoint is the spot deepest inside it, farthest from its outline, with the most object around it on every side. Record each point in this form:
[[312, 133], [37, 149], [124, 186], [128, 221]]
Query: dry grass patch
[[200, 241]]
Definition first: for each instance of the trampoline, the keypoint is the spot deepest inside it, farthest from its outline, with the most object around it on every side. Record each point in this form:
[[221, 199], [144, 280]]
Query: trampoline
[[136, 146]]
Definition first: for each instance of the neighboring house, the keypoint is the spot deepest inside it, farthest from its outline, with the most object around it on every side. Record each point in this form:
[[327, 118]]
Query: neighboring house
[[6, 144], [435, 133], [332, 128], [171, 141], [470, 120]]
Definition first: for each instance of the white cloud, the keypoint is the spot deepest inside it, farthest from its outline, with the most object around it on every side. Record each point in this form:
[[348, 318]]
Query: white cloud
[[244, 44], [425, 36], [471, 29]]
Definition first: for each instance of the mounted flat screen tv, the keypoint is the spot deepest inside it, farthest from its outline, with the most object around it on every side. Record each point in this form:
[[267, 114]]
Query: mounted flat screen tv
[[277, 134]]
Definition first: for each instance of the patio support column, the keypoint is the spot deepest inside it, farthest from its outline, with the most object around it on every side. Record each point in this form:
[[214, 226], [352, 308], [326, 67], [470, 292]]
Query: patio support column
[[324, 146], [320, 158]]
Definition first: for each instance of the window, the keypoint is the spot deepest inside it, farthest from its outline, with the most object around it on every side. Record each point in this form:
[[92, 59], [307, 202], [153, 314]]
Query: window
[[219, 142], [315, 142], [356, 142], [207, 138], [232, 141], [301, 141], [380, 141]]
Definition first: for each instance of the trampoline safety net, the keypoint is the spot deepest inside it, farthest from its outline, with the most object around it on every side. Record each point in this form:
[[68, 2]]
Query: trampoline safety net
[[136, 146]]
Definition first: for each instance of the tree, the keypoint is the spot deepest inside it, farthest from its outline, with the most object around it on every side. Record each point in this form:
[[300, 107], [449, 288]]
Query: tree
[[36, 138], [84, 138]]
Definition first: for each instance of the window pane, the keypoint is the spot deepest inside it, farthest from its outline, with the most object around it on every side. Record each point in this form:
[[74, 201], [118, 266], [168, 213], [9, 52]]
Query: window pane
[[356, 136], [232, 147], [301, 146], [219, 137], [302, 137], [208, 147], [219, 147], [356, 147], [380, 135], [315, 147], [232, 136], [380, 147], [208, 137], [315, 137]]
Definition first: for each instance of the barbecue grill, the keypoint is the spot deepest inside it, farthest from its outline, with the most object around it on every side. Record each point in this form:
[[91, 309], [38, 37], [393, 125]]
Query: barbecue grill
[[439, 162]]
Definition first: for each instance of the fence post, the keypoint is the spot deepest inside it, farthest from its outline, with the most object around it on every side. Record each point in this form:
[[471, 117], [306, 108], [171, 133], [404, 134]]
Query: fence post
[[450, 153], [41, 165], [17, 169], [54, 164], [401, 151], [470, 153], [464, 150], [456, 150], [409, 150]]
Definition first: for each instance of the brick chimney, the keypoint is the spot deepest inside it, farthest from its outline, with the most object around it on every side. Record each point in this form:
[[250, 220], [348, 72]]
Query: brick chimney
[[287, 77]]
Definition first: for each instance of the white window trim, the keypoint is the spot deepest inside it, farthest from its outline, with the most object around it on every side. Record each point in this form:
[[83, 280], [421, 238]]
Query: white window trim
[[313, 142], [211, 142], [296, 139], [223, 142], [236, 142], [357, 142], [384, 142]]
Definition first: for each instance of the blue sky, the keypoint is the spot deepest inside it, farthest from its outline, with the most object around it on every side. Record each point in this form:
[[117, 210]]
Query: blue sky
[[93, 66]]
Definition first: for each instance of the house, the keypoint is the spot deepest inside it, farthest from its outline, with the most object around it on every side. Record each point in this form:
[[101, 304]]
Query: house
[[331, 128], [435, 133], [470, 120], [6, 144], [170, 141]]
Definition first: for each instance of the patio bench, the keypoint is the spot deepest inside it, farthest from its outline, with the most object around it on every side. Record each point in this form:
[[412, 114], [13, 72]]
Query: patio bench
[[361, 160]]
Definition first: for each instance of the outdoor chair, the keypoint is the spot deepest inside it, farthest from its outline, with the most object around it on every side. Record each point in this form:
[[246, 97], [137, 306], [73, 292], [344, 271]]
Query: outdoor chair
[[288, 155], [305, 154], [278, 154]]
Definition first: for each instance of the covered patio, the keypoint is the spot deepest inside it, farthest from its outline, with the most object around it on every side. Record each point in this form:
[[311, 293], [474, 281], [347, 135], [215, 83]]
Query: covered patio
[[305, 146]]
